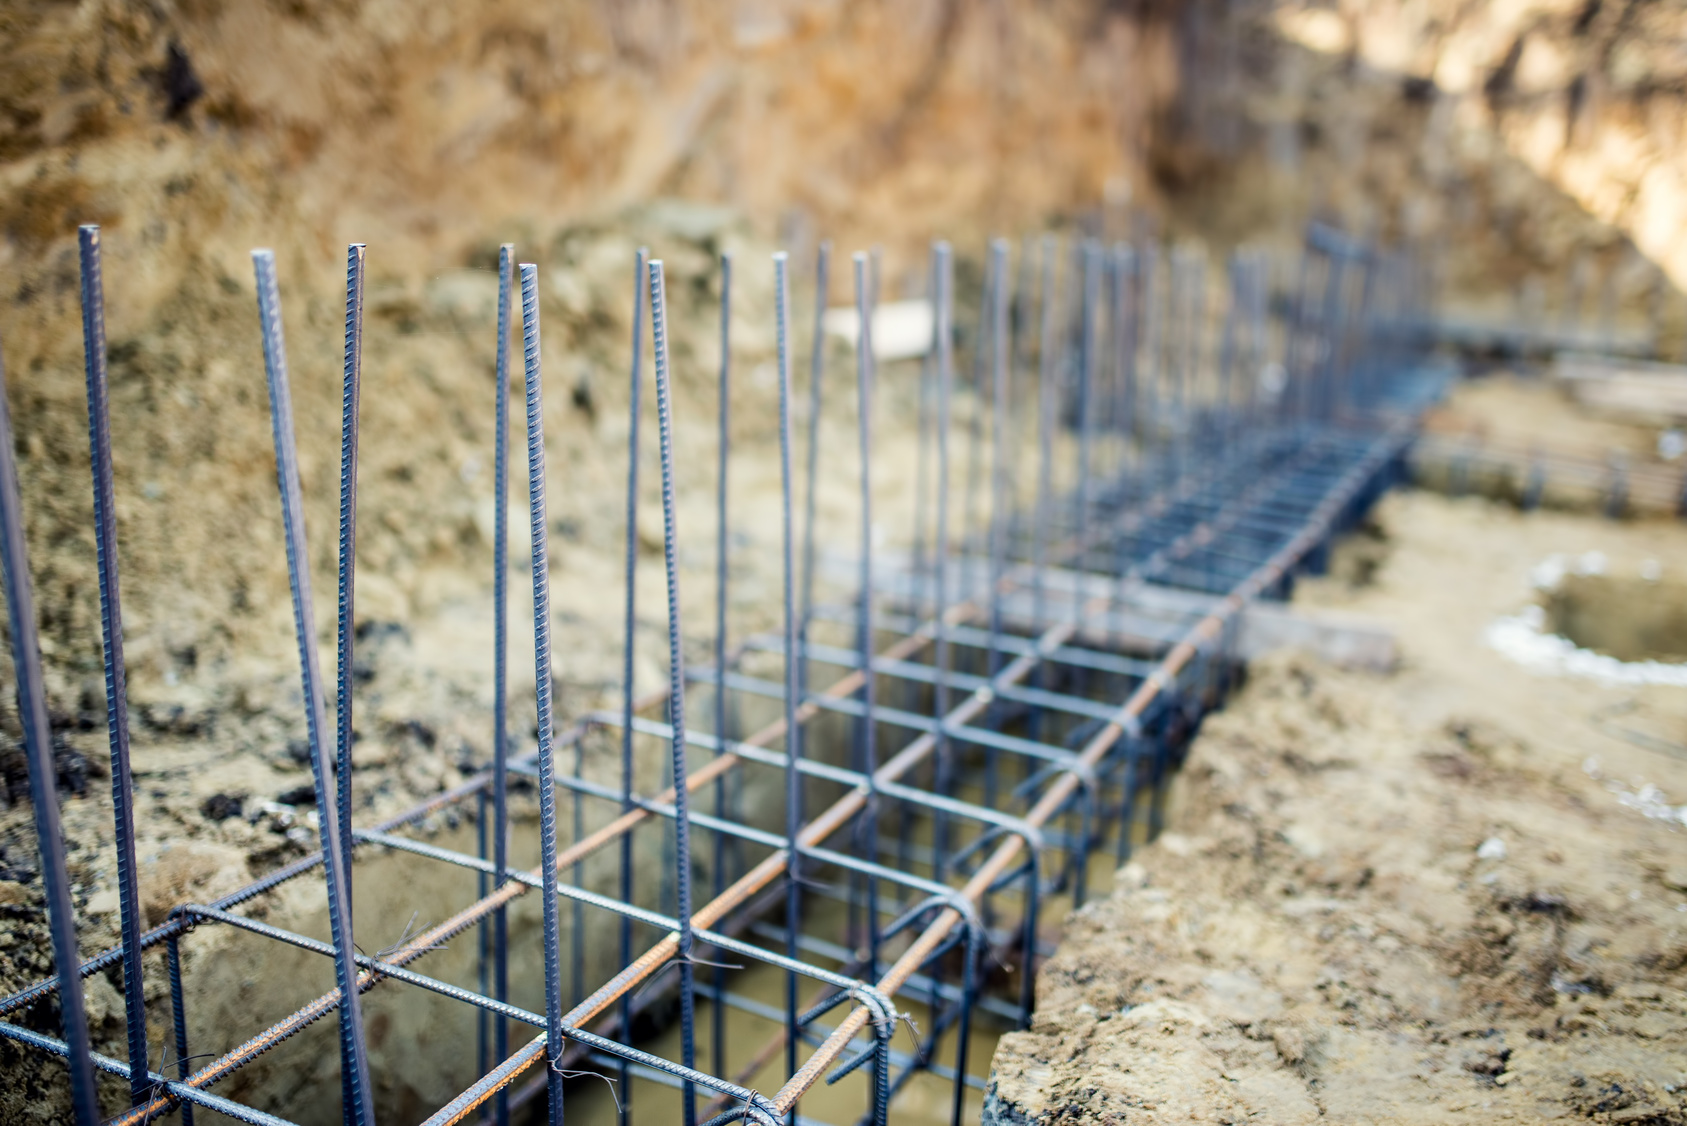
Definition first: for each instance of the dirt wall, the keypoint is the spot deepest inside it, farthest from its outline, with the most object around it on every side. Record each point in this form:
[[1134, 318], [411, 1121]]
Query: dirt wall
[[1588, 94], [1543, 140], [193, 132]]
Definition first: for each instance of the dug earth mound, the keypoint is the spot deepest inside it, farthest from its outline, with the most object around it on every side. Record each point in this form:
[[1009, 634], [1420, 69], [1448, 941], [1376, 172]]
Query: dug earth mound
[[1366, 918]]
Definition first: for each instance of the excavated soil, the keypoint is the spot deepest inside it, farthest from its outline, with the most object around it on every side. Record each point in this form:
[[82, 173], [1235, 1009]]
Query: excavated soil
[[1456, 893]]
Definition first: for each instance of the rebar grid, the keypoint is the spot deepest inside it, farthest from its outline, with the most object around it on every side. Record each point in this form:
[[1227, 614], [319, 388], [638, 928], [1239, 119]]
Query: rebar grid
[[1009, 698]]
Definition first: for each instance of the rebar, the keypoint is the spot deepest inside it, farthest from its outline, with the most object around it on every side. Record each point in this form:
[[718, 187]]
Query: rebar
[[111, 638], [867, 833], [43, 774], [345, 604], [676, 689], [539, 529], [628, 706], [816, 374], [1027, 719], [722, 537], [500, 656], [793, 663]]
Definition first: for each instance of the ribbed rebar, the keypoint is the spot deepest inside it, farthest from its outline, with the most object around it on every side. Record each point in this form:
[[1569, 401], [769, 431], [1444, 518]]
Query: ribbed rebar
[[116, 676], [676, 690], [866, 735], [794, 655], [723, 535], [943, 768], [500, 661], [345, 625], [816, 374], [539, 533], [43, 774], [634, 409]]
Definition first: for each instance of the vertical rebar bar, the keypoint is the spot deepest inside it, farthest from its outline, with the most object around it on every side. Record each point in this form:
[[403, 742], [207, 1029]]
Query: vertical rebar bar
[[868, 831], [717, 1009], [1296, 330], [1355, 356], [1129, 313], [623, 1104], [1197, 330], [1047, 407], [1227, 348], [347, 577], [178, 1019], [943, 758], [970, 537], [919, 590], [483, 946], [1110, 373], [997, 296], [916, 593], [116, 677], [1022, 311], [1153, 315], [816, 371], [866, 308], [577, 909], [1091, 262], [794, 658], [358, 1102], [43, 778], [539, 531], [722, 535], [1259, 335], [963, 1026], [1334, 302], [500, 665], [676, 690], [1187, 306]]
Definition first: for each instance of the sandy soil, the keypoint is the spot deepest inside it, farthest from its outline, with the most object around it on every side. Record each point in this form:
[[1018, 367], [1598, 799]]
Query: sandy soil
[[1442, 895]]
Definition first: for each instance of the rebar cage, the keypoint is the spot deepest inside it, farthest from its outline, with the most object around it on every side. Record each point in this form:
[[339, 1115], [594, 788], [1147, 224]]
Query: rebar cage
[[879, 808]]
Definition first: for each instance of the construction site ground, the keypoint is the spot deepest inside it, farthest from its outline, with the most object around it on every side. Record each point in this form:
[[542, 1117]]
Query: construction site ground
[[1456, 892]]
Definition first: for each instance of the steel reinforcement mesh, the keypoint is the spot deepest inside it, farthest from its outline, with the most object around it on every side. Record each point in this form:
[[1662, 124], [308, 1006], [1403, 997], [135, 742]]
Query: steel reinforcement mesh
[[871, 814]]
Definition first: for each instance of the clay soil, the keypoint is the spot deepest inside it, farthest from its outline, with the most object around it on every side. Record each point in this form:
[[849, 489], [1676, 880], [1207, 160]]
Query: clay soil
[[1444, 894]]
